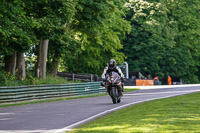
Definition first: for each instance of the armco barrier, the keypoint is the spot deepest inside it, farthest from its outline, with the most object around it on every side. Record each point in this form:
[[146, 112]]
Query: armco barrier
[[36, 92]]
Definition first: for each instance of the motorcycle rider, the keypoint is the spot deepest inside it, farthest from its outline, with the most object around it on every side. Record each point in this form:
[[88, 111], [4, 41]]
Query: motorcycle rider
[[112, 67]]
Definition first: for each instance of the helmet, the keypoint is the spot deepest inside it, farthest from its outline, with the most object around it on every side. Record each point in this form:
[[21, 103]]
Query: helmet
[[112, 64]]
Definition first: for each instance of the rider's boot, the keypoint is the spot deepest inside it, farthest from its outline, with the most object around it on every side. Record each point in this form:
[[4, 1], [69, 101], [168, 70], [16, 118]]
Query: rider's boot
[[122, 87]]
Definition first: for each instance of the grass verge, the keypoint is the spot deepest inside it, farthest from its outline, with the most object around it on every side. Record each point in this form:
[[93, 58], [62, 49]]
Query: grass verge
[[179, 114], [63, 98]]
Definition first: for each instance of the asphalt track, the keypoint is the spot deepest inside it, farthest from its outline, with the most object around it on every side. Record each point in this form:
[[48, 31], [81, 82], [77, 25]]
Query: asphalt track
[[62, 116]]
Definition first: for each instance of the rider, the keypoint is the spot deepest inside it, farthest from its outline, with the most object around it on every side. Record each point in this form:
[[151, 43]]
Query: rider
[[112, 67]]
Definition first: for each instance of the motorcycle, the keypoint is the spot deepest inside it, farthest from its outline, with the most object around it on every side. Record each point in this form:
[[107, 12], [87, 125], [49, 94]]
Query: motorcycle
[[113, 84]]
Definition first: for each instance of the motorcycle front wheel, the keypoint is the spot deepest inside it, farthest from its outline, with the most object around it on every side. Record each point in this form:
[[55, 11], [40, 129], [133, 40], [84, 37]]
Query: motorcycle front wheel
[[113, 94]]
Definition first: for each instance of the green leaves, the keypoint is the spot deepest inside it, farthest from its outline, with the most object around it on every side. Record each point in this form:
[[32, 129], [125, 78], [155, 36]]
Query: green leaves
[[164, 38], [100, 26], [186, 14], [158, 37], [14, 30]]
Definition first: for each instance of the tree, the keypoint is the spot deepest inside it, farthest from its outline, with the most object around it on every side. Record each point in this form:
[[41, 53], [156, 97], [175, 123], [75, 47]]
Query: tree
[[186, 15], [152, 33], [20, 66], [99, 26], [164, 38], [16, 35], [64, 48], [52, 15]]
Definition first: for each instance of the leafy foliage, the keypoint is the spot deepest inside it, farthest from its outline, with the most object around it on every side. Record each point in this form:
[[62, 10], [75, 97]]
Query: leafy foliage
[[99, 26], [186, 15], [15, 27], [158, 43], [156, 37], [51, 16]]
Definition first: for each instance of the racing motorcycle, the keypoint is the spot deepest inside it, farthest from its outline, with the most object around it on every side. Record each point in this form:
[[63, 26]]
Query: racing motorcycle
[[113, 84]]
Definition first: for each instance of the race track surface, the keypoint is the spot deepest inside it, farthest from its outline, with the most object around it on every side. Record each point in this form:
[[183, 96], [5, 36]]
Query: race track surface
[[62, 116]]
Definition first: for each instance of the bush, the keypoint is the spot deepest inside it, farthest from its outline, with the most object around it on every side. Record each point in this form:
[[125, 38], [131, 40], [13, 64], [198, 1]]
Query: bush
[[51, 80], [30, 80], [7, 79]]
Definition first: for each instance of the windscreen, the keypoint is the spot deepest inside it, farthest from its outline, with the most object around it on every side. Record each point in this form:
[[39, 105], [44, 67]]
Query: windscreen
[[112, 75]]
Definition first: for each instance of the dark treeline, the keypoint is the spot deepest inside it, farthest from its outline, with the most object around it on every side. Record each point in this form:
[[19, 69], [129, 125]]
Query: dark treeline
[[156, 37]]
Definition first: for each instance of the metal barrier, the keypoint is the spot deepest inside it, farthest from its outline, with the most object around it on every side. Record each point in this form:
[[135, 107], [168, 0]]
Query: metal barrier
[[79, 77], [36, 92]]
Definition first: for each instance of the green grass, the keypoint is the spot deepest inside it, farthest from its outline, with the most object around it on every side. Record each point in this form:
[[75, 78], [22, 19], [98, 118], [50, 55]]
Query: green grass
[[130, 89], [64, 98], [179, 114]]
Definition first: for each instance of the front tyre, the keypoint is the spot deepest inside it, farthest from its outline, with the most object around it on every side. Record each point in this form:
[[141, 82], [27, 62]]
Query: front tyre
[[113, 95]]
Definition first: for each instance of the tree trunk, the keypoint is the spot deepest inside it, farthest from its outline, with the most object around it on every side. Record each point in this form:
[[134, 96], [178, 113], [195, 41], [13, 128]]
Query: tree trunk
[[42, 58], [10, 63], [54, 69], [20, 69]]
